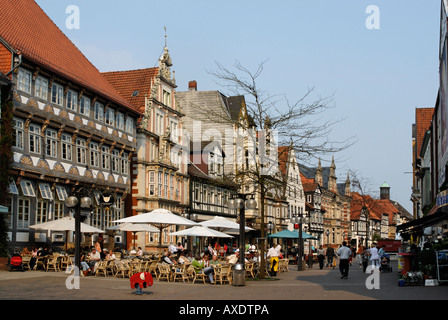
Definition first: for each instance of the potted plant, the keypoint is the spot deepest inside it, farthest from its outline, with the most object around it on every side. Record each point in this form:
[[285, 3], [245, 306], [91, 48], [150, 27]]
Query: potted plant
[[402, 278]]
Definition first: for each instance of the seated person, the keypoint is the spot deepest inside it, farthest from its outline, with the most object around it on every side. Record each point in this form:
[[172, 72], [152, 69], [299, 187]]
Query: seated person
[[110, 255], [189, 255], [233, 258], [95, 257], [85, 267], [199, 267], [181, 258], [140, 253], [214, 261], [167, 258]]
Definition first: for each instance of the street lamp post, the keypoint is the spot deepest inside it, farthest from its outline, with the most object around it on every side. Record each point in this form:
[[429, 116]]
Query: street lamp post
[[192, 216], [365, 212], [241, 202], [76, 203], [327, 233], [299, 220], [270, 227]]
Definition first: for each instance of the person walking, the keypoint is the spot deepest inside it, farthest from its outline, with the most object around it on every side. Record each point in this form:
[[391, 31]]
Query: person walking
[[273, 254], [365, 259], [321, 256], [374, 256], [344, 254], [330, 256], [359, 254]]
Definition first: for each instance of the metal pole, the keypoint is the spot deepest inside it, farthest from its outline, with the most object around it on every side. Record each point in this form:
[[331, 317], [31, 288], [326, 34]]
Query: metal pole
[[242, 227], [299, 262], [78, 237]]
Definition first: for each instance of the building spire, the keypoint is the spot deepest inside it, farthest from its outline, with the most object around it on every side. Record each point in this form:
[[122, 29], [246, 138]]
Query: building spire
[[165, 36]]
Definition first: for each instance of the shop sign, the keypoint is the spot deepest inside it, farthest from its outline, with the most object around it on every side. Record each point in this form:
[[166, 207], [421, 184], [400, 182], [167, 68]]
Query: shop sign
[[442, 199]]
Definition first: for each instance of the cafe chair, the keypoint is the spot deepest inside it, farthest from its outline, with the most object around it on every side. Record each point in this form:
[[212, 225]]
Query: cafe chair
[[199, 274], [122, 269], [181, 272], [26, 262], [164, 272], [249, 269], [223, 274], [52, 264]]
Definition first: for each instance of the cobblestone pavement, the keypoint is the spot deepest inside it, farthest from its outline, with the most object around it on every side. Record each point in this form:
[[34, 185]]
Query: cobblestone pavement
[[312, 284]]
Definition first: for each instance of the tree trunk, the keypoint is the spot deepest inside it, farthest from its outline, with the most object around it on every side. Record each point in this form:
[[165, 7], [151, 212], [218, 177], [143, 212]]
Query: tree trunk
[[263, 234]]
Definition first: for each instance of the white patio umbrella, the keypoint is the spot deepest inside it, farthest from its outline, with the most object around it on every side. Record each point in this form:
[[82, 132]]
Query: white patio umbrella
[[65, 224], [200, 231], [222, 224], [134, 228], [159, 218]]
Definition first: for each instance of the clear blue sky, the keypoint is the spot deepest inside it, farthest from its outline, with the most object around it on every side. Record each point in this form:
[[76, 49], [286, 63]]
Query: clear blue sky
[[378, 77]]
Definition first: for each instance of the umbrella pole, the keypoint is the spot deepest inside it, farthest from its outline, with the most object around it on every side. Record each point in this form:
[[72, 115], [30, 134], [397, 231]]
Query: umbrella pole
[[160, 243]]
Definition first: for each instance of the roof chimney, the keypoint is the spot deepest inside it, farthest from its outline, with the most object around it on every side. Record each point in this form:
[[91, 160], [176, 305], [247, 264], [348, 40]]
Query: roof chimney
[[192, 85]]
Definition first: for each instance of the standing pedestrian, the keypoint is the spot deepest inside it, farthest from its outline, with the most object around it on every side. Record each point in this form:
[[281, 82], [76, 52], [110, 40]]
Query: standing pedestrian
[[359, 253], [330, 256], [365, 259], [374, 256], [344, 254], [321, 256]]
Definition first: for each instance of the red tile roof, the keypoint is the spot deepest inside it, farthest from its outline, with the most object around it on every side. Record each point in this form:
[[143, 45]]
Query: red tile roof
[[377, 207], [132, 85], [423, 118], [309, 186], [26, 27], [306, 180], [283, 156]]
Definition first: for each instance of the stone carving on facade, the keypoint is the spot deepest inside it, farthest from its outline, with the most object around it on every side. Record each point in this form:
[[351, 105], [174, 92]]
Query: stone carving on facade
[[147, 114], [165, 64]]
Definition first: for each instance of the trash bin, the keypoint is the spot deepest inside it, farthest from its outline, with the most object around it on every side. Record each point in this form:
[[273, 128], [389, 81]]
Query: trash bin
[[239, 275]]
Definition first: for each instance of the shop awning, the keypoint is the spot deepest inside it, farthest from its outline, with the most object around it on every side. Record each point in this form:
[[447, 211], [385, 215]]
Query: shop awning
[[287, 234], [426, 221]]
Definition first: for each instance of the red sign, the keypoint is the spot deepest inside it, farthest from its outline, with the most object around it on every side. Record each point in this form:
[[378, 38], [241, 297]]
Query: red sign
[[390, 245]]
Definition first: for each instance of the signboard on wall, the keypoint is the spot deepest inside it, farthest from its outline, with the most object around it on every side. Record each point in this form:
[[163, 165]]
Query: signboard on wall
[[442, 114], [442, 199], [443, 25]]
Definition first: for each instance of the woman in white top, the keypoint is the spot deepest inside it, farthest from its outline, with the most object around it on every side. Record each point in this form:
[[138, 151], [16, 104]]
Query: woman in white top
[[374, 256]]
